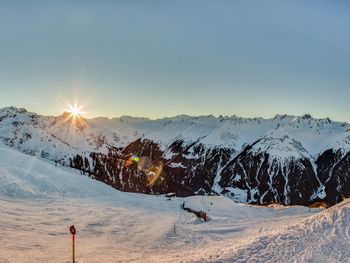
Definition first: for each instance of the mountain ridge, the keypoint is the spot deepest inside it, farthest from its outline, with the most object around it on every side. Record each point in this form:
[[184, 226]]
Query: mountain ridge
[[254, 160]]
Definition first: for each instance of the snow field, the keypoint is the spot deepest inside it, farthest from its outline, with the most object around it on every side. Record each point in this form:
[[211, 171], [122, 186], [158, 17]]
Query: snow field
[[40, 201]]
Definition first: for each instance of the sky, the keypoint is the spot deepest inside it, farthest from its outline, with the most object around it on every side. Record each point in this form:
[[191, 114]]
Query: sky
[[165, 58]]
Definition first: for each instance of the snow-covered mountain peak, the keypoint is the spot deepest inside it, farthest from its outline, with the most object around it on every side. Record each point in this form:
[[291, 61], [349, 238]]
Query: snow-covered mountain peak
[[131, 119], [280, 148], [13, 110], [19, 114]]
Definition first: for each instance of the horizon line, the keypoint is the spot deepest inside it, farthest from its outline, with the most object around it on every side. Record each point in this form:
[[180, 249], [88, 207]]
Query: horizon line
[[220, 116]]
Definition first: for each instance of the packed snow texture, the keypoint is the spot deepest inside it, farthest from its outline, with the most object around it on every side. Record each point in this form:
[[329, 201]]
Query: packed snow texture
[[40, 201]]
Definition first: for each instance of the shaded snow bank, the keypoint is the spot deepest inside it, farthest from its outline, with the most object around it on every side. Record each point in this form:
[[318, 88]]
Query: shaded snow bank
[[24, 176]]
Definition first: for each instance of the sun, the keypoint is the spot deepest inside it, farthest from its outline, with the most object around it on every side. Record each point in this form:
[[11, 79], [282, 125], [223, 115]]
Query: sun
[[75, 111], [75, 116]]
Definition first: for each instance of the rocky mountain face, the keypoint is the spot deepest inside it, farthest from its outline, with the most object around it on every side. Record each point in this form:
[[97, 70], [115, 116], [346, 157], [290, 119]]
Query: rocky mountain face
[[288, 160]]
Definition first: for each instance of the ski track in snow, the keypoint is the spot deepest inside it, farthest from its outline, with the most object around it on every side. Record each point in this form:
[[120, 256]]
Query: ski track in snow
[[40, 201]]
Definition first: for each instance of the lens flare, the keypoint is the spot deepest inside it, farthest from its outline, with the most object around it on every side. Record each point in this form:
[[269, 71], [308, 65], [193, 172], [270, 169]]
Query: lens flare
[[156, 174], [145, 165], [133, 159]]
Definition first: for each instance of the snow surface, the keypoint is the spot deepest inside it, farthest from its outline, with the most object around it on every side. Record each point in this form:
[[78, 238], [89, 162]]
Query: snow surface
[[40, 201]]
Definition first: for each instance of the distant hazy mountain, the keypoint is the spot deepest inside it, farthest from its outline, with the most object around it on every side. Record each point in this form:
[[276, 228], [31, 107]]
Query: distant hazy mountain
[[287, 159]]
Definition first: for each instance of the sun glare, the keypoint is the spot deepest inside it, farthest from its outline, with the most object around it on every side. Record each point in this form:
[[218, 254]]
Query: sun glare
[[75, 116], [75, 111]]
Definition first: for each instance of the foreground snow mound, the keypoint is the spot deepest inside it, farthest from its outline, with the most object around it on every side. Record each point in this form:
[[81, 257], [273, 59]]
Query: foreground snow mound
[[24, 176], [324, 237]]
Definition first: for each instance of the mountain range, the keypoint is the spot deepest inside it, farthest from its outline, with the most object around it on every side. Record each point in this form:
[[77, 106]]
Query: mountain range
[[291, 160]]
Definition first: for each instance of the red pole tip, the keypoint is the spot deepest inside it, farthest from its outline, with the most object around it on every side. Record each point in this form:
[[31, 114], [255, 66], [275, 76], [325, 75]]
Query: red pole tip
[[72, 230]]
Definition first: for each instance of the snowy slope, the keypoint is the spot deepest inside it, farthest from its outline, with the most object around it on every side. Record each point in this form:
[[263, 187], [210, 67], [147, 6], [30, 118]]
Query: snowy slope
[[323, 237], [124, 227], [24, 176]]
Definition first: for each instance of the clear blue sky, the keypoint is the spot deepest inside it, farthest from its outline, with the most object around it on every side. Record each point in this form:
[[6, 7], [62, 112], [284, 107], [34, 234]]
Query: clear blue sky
[[163, 58]]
